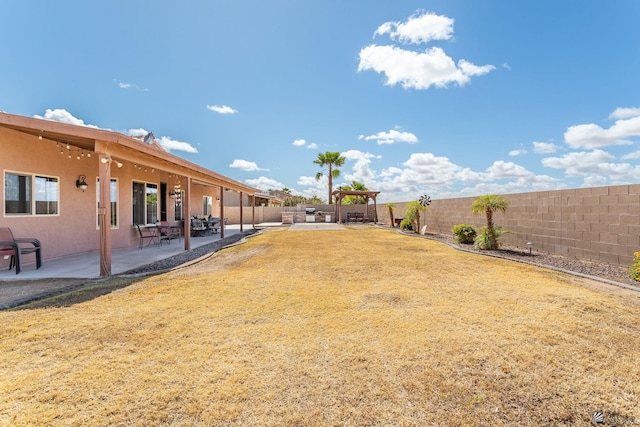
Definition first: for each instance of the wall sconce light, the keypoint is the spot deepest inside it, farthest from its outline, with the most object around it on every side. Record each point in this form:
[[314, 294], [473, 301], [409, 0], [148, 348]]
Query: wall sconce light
[[217, 197], [108, 159], [81, 183]]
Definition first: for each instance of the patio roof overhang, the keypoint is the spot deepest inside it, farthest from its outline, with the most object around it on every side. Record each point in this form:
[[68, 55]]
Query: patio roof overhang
[[113, 146], [116, 144]]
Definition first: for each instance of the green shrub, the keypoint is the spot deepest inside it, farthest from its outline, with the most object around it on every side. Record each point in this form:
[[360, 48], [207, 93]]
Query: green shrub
[[406, 224], [464, 233], [483, 241], [634, 271]]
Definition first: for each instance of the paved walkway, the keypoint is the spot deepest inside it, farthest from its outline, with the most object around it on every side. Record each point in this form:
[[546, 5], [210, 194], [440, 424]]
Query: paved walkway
[[59, 275]]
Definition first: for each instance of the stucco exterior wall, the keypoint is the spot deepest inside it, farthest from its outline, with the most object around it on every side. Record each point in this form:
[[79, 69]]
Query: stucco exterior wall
[[74, 229], [600, 223]]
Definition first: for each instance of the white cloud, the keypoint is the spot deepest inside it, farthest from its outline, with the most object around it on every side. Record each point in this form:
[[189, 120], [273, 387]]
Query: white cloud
[[514, 153], [588, 136], [634, 155], [63, 116], [470, 69], [361, 170], [312, 146], [246, 166], [430, 164], [426, 173], [123, 85], [625, 113], [264, 183], [418, 70], [391, 137], [165, 142], [315, 187], [544, 147], [137, 133], [299, 142], [171, 144], [415, 70], [311, 181], [506, 170], [419, 28], [587, 163], [222, 109]]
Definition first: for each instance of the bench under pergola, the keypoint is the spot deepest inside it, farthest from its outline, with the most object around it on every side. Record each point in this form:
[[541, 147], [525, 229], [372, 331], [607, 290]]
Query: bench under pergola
[[338, 195]]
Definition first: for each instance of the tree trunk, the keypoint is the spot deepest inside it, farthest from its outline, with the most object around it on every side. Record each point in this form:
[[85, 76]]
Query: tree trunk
[[330, 176], [393, 222], [490, 233]]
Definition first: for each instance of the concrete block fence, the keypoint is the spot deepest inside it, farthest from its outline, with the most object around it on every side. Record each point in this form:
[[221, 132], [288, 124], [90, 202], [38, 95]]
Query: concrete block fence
[[599, 224], [274, 213]]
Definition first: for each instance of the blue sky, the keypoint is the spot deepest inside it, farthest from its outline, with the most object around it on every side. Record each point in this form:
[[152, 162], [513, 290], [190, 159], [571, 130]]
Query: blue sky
[[449, 98]]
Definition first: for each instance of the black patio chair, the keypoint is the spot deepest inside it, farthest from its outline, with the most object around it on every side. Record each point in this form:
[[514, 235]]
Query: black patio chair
[[15, 247]]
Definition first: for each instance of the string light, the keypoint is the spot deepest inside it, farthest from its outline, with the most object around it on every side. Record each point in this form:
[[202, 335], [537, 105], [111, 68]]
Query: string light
[[73, 151]]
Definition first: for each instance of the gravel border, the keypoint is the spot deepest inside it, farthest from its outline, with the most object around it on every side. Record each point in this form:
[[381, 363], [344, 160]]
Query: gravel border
[[187, 257], [608, 273]]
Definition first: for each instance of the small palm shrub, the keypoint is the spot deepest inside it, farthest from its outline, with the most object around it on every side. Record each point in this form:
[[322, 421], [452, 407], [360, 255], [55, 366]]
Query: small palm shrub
[[406, 224], [483, 241], [464, 233], [634, 271]]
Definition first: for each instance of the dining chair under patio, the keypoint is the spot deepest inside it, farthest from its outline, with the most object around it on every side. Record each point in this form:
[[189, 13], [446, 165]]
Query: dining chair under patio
[[148, 234], [168, 232]]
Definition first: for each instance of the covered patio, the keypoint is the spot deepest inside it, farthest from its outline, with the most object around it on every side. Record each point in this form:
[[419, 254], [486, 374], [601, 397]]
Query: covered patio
[[100, 185], [83, 265]]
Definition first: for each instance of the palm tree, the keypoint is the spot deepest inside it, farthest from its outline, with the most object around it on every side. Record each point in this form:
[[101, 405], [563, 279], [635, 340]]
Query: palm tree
[[332, 160], [412, 213], [488, 205], [354, 200], [392, 207]]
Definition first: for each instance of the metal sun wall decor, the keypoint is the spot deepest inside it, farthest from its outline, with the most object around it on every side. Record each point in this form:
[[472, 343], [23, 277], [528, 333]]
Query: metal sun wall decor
[[424, 200]]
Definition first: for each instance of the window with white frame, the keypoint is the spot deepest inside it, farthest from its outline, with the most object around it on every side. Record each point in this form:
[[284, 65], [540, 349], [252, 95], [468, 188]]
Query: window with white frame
[[113, 194], [145, 203], [31, 194]]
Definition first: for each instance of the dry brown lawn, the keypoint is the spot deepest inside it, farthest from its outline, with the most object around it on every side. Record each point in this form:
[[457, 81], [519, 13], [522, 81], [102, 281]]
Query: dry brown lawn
[[350, 328]]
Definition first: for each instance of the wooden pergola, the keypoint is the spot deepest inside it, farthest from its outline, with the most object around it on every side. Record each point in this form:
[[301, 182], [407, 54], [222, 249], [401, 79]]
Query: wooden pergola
[[338, 195]]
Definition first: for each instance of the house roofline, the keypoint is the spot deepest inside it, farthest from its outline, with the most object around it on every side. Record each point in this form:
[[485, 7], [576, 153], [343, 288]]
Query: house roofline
[[103, 141]]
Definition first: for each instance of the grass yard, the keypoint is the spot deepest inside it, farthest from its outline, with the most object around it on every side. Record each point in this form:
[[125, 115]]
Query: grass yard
[[350, 328]]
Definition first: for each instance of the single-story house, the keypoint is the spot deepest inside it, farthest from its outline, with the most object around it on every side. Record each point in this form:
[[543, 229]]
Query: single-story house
[[80, 189]]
